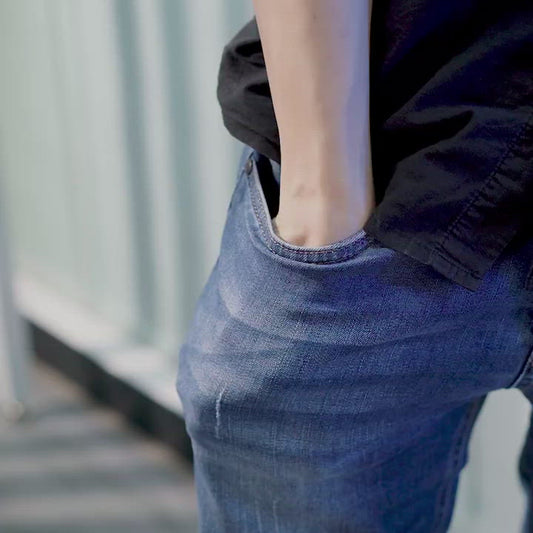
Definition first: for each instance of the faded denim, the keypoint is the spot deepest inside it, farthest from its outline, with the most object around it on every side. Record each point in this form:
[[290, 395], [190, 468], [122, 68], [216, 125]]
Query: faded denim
[[334, 389]]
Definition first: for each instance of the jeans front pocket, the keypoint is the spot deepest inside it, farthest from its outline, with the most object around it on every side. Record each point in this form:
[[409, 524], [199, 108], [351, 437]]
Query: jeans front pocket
[[260, 223]]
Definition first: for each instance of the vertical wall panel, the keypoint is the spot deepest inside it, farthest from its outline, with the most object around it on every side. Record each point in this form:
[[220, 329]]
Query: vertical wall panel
[[32, 154], [211, 152], [100, 201], [168, 315]]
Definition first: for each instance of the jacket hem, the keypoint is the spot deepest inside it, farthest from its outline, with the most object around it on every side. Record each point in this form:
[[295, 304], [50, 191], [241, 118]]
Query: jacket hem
[[428, 255]]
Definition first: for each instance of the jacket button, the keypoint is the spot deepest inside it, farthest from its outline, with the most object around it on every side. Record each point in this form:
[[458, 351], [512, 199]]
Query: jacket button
[[248, 165]]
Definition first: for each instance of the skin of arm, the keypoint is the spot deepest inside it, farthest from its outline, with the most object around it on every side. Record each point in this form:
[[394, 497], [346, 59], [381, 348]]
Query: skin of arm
[[317, 59]]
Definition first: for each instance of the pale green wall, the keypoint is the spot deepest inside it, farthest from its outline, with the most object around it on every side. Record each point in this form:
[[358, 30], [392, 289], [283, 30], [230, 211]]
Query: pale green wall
[[116, 165]]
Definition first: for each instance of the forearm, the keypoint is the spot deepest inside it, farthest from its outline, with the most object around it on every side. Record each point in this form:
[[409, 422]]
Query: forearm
[[316, 53]]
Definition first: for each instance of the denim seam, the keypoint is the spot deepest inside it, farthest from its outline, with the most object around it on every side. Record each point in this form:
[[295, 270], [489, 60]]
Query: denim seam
[[267, 235], [528, 364], [235, 188], [529, 278], [460, 440], [337, 259]]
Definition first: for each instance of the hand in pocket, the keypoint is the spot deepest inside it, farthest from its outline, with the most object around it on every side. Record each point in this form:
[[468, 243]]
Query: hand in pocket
[[320, 220]]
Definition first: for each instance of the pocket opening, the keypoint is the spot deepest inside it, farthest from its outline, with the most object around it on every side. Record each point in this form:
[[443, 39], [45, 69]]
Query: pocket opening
[[264, 196], [269, 186]]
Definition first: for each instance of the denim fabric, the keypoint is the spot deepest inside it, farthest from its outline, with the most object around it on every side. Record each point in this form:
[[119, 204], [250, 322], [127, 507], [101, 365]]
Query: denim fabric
[[334, 389]]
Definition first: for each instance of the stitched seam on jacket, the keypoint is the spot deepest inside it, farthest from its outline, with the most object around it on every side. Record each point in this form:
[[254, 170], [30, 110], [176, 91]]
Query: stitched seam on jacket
[[519, 136]]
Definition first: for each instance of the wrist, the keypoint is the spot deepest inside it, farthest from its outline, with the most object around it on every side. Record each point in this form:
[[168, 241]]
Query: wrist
[[327, 166], [329, 180]]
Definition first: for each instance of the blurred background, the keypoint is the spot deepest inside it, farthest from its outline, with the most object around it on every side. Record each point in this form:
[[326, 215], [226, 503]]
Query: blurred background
[[115, 176]]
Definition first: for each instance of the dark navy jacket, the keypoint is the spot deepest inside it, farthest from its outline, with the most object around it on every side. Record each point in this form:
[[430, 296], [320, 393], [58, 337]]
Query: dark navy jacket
[[451, 125]]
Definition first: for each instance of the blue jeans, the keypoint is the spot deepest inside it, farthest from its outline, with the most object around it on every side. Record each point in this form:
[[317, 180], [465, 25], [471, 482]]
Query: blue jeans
[[334, 389]]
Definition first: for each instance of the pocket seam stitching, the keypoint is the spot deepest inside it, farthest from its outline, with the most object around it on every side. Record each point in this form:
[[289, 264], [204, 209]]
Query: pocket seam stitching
[[342, 254]]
